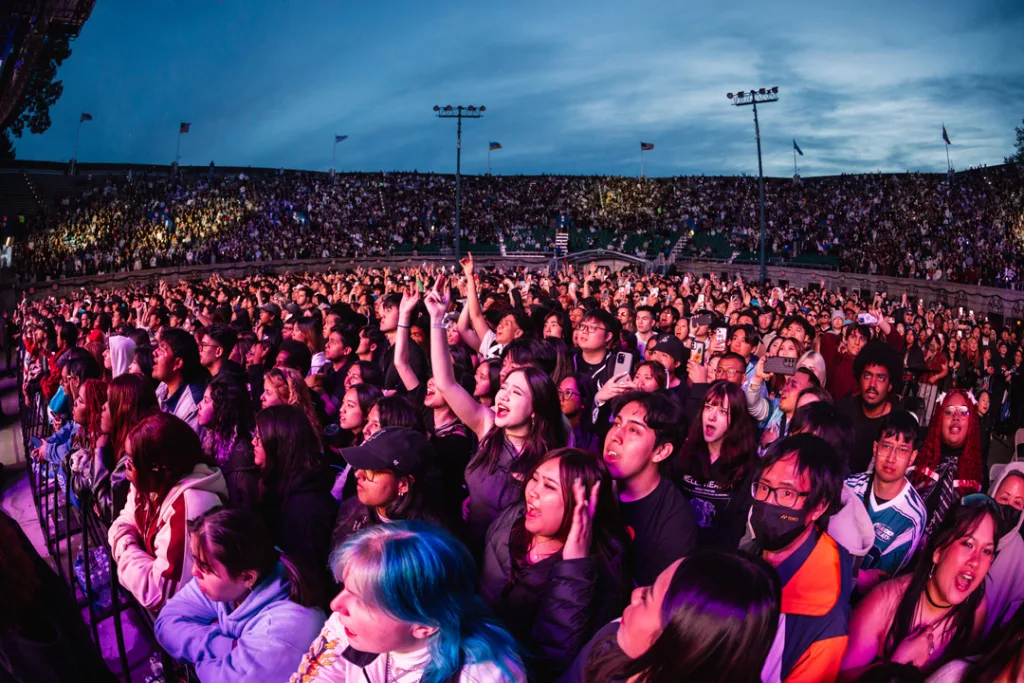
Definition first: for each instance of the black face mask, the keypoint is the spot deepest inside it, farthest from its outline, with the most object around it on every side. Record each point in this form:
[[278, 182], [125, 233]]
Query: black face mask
[[775, 526], [1011, 516]]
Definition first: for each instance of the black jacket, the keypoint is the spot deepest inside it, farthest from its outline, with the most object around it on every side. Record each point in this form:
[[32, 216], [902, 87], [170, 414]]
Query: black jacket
[[242, 475], [301, 520], [554, 606]]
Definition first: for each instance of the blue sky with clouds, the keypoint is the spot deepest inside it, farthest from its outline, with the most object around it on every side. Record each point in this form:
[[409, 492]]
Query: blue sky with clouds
[[570, 87]]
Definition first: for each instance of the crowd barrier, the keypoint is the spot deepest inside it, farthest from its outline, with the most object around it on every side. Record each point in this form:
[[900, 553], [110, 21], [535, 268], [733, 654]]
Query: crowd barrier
[[65, 514]]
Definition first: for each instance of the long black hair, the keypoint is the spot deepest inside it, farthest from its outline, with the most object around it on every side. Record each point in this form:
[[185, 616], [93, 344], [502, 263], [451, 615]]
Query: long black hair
[[739, 443], [960, 521], [233, 419], [546, 431], [720, 615], [239, 539], [292, 450]]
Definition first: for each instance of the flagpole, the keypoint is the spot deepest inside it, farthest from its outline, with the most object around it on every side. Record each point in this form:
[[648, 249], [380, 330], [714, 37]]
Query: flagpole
[[177, 151], [488, 159], [334, 154], [641, 161], [794, 161], [949, 166], [78, 133]]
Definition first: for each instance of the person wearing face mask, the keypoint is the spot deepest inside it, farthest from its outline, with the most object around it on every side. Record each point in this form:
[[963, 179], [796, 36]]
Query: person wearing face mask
[[1004, 589], [936, 613], [715, 465], [949, 463], [554, 564], [796, 489], [711, 617]]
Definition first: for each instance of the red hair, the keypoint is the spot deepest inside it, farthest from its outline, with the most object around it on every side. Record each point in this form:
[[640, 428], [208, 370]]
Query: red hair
[[968, 473], [95, 396]]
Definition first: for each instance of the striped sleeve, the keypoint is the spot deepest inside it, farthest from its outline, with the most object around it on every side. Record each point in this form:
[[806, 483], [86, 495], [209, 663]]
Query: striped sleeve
[[153, 578]]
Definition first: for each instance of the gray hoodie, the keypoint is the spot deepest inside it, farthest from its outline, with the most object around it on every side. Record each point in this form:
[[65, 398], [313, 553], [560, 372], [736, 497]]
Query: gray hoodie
[[1004, 585]]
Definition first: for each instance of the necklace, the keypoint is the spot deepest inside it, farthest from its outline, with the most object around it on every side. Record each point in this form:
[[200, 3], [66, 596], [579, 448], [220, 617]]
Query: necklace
[[928, 597]]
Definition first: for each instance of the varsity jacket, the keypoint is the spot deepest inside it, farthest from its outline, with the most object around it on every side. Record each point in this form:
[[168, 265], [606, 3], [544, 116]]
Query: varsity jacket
[[154, 563]]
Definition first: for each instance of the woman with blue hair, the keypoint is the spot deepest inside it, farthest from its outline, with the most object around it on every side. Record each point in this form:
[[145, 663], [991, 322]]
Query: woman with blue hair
[[408, 612]]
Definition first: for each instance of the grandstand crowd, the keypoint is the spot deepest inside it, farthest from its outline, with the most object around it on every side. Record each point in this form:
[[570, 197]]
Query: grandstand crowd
[[963, 228], [474, 474]]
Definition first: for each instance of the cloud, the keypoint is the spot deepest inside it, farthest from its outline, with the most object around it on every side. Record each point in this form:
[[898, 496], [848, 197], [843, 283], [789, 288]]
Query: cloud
[[570, 88]]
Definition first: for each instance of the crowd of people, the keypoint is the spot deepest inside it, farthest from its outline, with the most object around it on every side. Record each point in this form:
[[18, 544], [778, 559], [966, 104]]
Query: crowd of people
[[468, 474], [965, 228]]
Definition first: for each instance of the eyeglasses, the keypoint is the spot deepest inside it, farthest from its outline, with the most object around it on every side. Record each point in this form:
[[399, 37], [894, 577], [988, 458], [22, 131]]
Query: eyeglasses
[[784, 496], [567, 394], [957, 411], [587, 329], [370, 475], [886, 449], [728, 372]]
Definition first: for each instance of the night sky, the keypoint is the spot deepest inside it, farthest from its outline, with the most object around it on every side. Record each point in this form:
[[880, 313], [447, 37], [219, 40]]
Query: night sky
[[570, 87]]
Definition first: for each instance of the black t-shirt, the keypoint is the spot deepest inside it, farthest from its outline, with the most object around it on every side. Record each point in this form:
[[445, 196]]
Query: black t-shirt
[[334, 380], [417, 361], [865, 431], [595, 374], [719, 509], [661, 524]]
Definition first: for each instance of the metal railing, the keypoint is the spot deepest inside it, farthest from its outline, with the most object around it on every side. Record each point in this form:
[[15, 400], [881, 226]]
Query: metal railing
[[64, 513]]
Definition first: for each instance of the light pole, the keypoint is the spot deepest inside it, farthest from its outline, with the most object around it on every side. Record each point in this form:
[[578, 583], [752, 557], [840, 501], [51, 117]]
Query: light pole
[[459, 113], [755, 97]]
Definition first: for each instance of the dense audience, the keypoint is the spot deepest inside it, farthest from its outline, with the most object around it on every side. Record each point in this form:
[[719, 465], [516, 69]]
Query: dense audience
[[966, 228], [581, 476]]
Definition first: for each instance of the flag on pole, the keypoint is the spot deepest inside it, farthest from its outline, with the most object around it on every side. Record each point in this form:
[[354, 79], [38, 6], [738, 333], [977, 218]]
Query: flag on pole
[[494, 145], [85, 117], [945, 135], [340, 138], [184, 127], [646, 146], [797, 148]]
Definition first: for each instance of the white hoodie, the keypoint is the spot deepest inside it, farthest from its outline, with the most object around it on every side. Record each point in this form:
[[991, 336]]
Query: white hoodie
[[154, 568], [851, 527], [1004, 584], [122, 353]]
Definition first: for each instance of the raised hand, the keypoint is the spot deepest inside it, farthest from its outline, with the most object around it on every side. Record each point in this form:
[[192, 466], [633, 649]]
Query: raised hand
[[577, 544], [467, 264], [437, 300], [618, 385], [410, 299]]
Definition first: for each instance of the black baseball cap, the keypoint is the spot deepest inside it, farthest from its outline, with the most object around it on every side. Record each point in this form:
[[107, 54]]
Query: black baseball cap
[[400, 449], [271, 308], [670, 344]]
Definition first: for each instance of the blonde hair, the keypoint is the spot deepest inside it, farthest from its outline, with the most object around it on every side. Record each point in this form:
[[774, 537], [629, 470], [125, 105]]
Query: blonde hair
[[815, 362]]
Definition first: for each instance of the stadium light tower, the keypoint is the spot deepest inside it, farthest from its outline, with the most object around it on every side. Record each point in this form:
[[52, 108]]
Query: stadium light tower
[[754, 98], [459, 113]]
